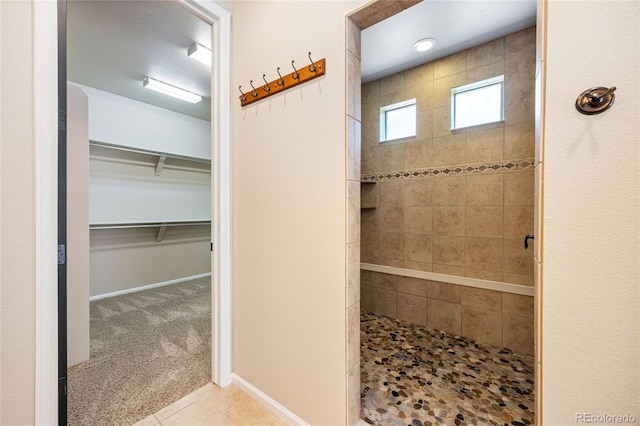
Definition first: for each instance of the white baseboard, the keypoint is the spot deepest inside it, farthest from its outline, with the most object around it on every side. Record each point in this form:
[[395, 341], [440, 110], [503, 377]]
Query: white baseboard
[[148, 287], [268, 402]]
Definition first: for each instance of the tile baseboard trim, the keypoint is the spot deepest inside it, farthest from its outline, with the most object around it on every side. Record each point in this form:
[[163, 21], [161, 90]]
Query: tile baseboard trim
[[148, 287], [522, 290], [268, 402]]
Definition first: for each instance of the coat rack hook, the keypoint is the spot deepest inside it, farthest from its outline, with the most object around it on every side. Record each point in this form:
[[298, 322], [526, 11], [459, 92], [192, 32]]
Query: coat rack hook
[[280, 81], [312, 67], [295, 74], [243, 97], [254, 93], [266, 87]]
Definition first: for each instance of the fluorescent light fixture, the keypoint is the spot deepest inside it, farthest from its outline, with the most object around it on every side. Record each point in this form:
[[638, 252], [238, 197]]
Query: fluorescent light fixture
[[200, 53], [425, 44], [170, 90]]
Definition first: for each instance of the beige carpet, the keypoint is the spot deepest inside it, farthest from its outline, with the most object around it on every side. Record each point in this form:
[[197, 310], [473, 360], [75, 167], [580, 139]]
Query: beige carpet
[[148, 349]]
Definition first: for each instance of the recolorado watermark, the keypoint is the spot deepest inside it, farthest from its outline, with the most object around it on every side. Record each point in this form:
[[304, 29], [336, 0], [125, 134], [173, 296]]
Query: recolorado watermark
[[605, 418]]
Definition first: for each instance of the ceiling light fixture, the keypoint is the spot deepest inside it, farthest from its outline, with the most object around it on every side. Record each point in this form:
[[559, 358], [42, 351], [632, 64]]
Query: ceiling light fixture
[[200, 53], [425, 44], [170, 90]]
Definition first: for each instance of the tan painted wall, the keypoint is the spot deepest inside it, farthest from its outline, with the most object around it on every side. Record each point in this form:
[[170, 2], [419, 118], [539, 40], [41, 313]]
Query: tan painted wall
[[17, 220], [289, 224], [591, 241]]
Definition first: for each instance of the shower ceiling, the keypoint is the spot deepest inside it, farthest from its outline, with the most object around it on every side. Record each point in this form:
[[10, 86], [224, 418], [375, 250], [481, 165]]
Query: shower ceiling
[[387, 47]]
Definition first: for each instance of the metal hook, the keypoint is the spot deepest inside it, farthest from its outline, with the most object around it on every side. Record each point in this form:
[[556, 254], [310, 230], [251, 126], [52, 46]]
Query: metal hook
[[243, 97], [312, 67], [280, 81], [267, 87], [595, 100], [255, 91], [295, 74]]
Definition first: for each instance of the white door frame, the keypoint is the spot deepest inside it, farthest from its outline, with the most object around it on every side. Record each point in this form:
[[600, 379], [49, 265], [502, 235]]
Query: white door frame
[[45, 60]]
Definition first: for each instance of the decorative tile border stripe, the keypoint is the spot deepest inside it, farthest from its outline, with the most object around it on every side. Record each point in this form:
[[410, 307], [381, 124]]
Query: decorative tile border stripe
[[461, 169]]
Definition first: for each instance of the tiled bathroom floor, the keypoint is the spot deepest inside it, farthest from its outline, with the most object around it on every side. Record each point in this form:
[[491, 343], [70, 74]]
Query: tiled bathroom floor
[[412, 375]]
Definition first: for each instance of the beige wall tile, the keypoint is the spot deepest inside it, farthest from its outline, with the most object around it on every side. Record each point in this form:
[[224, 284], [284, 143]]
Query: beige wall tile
[[412, 309], [443, 291], [483, 274], [484, 253], [448, 270], [392, 193], [353, 152], [485, 54], [482, 325], [418, 75], [390, 157], [365, 298], [449, 65], [414, 286], [521, 42], [353, 396], [418, 220], [486, 71], [385, 281], [517, 260], [537, 212], [391, 219], [423, 93], [517, 305], [517, 334], [480, 298], [397, 263], [354, 88], [353, 38], [418, 192], [518, 103], [442, 88], [484, 189], [370, 90], [369, 161], [449, 191], [418, 266], [444, 316], [449, 250], [369, 195], [369, 234], [353, 212], [353, 336], [485, 145], [484, 221], [418, 247], [519, 188], [449, 220], [418, 154], [441, 122], [519, 279], [384, 302], [366, 277], [424, 124], [392, 84], [449, 150], [519, 141], [353, 274], [392, 245], [518, 221]]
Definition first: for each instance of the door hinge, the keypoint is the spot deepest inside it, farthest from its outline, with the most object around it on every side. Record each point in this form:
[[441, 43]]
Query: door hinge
[[62, 387], [212, 246], [62, 120], [62, 254]]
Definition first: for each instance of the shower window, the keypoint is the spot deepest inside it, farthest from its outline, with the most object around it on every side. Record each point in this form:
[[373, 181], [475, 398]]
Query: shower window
[[477, 103], [398, 121]]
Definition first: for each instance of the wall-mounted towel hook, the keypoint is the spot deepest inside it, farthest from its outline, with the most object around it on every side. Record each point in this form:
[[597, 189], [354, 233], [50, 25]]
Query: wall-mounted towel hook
[[295, 74], [312, 67], [595, 100], [243, 97], [266, 87], [254, 93], [280, 81]]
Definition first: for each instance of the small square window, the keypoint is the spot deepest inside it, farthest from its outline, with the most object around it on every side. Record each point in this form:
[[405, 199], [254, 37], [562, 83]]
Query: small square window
[[477, 103], [398, 120]]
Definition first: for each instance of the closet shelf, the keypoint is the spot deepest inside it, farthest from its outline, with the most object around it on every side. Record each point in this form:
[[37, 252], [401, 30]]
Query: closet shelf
[[126, 225]]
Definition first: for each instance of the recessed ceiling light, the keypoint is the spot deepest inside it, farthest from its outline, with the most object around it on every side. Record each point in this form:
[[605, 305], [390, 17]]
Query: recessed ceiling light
[[425, 44], [170, 90], [200, 53]]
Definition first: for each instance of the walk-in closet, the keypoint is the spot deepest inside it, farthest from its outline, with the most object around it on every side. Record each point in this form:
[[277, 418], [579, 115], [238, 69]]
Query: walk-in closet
[[139, 203]]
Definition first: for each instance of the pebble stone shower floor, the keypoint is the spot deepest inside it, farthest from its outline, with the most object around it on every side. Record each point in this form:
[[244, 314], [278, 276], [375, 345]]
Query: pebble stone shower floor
[[411, 375]]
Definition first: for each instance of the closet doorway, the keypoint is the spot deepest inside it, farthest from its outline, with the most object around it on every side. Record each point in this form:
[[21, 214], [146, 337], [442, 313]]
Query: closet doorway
[[141, 181]]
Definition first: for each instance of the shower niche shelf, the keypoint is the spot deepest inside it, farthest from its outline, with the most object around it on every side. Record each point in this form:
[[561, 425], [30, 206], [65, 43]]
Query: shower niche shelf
[[368, 195]]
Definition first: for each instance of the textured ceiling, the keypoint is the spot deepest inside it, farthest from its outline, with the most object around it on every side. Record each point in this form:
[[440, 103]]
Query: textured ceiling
[[113, 45], [387, 47]]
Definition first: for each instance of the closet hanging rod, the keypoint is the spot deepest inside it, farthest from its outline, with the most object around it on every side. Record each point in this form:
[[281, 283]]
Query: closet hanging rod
[[148, 224], [147, 151]]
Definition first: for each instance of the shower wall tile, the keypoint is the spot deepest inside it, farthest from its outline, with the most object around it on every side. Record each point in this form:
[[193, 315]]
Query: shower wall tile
[[517, 305], [444, 316], [480, 298], [449, 220], [484, 253], [353, 273], [452, 64], [412, 286], [517, 259], [483, 274], [517, 141], [384, 302], [385, 281], [418, 248], [519, 188], [445, 292], [392, 219], [353, 212], [353, 145], [424, 94], [365, 298], [449, 250], [485, 54], [353, 336], [518, 221], [484, 190], [484, 221], [442, 88], [485, 145], [448, 270], [353, 38], [418, 220], [392, 193], [448, 150], [518, 334], [418, 266], [449, 191], [484, 72], [418, 75], [418, 153], [412, 309], [392, 245], [353, 395], [369, 195], [519, 279], [418, 192], [482, 325]]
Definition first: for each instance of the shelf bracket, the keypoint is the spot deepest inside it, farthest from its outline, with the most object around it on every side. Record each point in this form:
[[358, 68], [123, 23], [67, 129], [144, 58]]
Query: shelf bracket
[[160, 164], [160, 234]]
